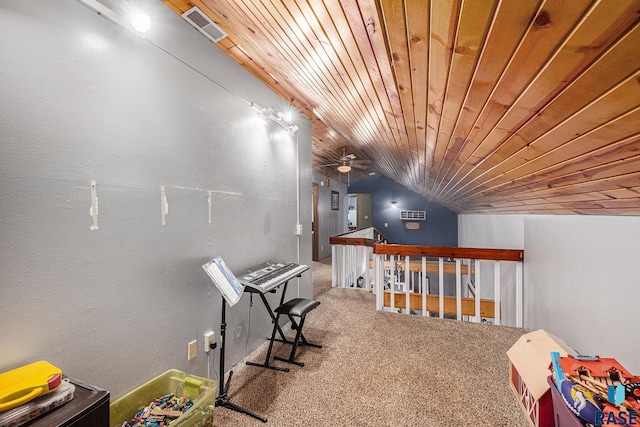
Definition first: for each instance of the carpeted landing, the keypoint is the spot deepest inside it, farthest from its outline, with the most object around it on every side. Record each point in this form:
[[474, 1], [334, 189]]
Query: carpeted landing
[[380, 369]]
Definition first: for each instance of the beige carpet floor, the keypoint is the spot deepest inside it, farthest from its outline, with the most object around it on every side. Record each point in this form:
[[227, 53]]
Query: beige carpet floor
[[380, 369]]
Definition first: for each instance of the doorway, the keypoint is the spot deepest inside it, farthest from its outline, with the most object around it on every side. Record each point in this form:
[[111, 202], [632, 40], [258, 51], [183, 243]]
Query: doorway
[[360, 211]]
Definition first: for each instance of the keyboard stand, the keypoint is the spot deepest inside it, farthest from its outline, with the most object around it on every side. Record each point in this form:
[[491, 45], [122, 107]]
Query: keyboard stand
[[266, 304], [277, 326]]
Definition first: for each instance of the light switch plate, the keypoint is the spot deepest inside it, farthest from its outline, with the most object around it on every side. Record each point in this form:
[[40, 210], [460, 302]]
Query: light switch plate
[[192, 350]]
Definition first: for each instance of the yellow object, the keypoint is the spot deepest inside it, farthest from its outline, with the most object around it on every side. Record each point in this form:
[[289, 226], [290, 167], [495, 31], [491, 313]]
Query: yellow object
[[23, 384]]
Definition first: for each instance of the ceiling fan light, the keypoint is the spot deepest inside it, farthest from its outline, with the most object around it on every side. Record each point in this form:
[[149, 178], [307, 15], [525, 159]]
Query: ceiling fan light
[[344, 168]]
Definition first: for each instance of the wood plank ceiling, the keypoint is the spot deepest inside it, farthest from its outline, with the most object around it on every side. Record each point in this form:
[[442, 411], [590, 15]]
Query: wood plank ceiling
[[483, 106]]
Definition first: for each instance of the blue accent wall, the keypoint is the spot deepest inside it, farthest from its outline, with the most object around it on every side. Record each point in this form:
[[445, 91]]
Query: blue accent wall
[[440, 228]]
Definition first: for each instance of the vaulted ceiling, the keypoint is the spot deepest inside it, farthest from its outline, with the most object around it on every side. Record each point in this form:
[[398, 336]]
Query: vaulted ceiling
[[496, 106]]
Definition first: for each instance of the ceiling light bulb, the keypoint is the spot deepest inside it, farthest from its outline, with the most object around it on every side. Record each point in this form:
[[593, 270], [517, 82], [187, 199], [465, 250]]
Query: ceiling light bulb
[[344, 168], [141, 22]]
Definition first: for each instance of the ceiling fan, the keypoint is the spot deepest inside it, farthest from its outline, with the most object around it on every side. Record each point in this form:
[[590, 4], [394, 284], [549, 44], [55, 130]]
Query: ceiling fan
[[347, 161]]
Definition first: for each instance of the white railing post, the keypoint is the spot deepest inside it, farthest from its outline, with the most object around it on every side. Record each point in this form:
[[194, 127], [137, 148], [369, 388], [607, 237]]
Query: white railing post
[[392, 285], [496, 291], [407, 284], [441, 287], [458, 289], [378, 280], [367, 273], [354, 266], [341, 271], [423, 286], [334, 265], [478, 288], [467, 281], [340, 278], [519, 311]]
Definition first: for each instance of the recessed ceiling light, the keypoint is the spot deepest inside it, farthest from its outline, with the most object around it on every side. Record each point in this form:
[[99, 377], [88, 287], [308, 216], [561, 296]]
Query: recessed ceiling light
[[140, 22]]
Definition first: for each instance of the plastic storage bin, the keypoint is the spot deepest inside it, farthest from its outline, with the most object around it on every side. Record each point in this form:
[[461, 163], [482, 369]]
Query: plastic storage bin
[[202, 390], [40, 405]]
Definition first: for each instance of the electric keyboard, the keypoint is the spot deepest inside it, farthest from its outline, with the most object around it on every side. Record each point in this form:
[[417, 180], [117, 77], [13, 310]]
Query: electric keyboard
[[264, 277]]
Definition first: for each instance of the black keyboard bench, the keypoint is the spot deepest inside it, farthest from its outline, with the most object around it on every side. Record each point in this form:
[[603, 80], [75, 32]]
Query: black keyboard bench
[[295, 308]]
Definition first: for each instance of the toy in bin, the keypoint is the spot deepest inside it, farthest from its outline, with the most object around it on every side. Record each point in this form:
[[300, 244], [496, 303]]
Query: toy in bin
[[40, 405], [599, 391], [24, 384]]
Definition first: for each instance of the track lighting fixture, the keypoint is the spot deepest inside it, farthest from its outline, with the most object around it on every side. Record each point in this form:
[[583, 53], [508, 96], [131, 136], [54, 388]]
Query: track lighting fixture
[[278, 117]]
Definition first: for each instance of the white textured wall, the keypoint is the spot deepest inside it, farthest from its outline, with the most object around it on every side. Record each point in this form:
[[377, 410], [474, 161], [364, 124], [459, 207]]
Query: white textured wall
[[580, 276], [84, 99]]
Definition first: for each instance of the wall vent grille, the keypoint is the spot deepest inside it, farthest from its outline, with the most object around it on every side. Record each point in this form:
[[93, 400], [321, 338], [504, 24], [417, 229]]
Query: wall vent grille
[[206, 26], [413, 215]]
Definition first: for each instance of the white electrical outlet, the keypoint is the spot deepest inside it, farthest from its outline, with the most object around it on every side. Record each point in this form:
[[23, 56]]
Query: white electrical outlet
[[209, 339], [192, 349]]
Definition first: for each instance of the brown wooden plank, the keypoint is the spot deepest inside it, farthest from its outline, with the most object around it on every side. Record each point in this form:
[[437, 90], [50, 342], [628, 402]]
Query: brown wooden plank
[[449, 252], [417, 17], [595, 85], [510, 23], [611, 160], [545, 36], [433, 305], [357, 84], [350, 63], [608, 118], [352, 241], [596, 35], [473, 24], [613, 207], [601, 185], [393, 12], [444, 16], [605, 176], [520, 166], [365, 25]]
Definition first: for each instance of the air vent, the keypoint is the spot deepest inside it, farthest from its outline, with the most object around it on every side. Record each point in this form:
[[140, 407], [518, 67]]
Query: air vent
[[413, 215], [206, 26]]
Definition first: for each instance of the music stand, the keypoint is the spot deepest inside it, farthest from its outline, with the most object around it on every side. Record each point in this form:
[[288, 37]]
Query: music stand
[[231, 290]]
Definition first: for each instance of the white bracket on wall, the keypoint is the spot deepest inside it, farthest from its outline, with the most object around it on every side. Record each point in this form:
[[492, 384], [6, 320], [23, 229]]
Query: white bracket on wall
[[164, 206], [93, 210]]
